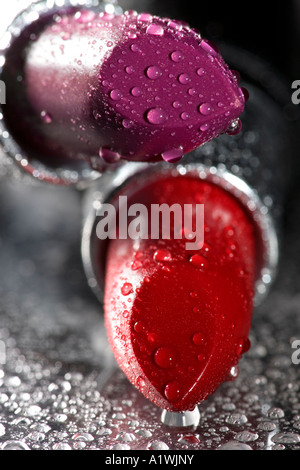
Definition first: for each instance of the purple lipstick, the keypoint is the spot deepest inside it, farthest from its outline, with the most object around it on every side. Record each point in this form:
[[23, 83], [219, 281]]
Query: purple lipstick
[[100, 87]]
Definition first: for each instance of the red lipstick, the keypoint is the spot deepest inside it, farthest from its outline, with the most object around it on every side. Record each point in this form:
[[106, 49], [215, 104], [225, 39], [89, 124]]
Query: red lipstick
[[178, 321]]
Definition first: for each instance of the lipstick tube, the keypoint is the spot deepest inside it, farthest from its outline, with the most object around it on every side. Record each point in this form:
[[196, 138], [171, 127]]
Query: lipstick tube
[[253, 167], [32, 157]]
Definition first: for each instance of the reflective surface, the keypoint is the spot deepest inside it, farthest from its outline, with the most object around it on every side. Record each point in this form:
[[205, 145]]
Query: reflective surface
[[58, 384]]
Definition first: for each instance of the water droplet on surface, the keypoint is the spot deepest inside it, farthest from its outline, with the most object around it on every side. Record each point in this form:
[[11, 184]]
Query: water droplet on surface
[[153, 72], [172, 391], [164, 357], [129, 69], [198, 339], [127, 288], [162, 255], [14, 445], [235, 127], [115, 94], [173, 155], [158, 445], [209, 47], [200, 72], [184, 78], [237, 419], [185, 116], [286, 438], [155, 30], [135, 265], [204, 127], [109, 156], [177, 56], [145, 17], [156, 116], [198, 261], [205, 109], [136, 91]]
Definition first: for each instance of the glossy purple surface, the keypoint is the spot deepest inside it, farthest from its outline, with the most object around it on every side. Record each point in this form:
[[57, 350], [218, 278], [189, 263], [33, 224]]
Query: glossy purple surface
[[130, 86]]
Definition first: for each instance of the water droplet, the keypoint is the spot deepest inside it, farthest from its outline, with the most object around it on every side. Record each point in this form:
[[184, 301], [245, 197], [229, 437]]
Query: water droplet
[[177, 56], [236, 75], [135, 265], [46, 117], [145, 17], [245, 93], [129, 69], [204, 127], [198, 339], [173, 155], [185, 116], [235, 127], [126, 289], [155, 30], [172, 391], [243, 346], [205, 109], [200, 72], [115, 94], [209, 47], [184, 78], [158, 445], [127, 123], [162, 255], [237, 419], [156, 116], [153, 72], [14, 445], [286, 438], [136, 91], [108, 155], [198, 261], [246, 436], [201, 358], [135, 48], [176, 104], [164, 357], [138, 327], [276, 413]]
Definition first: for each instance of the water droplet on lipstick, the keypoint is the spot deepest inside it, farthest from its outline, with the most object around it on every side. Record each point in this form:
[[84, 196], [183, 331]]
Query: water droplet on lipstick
[[198, 261], [155, 30], [173, 155], [109, 156], [126, 289], [209, 47], [235, 127], [164, 357], [145, 17], [198, 339], [162, 255], [184, 78], [115, 94], [156, 116], [172, 391], [205, 109], [153, 72], [200, 72], [136, 91], [177, 56]]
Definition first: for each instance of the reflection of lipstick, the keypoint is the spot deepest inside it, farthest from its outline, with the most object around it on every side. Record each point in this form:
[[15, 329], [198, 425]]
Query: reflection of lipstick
[[103, 87]]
